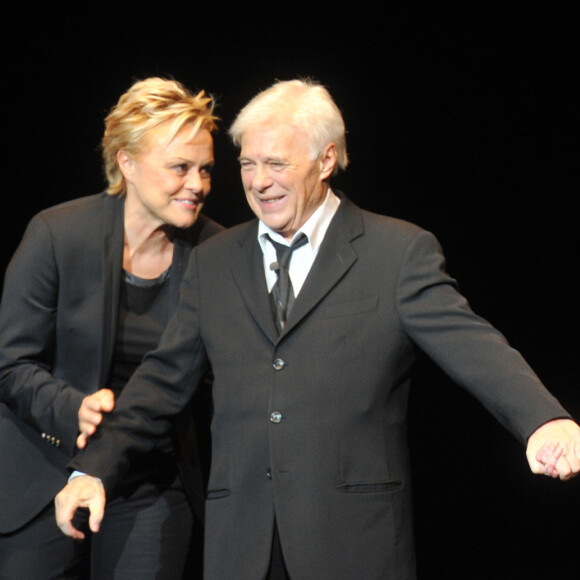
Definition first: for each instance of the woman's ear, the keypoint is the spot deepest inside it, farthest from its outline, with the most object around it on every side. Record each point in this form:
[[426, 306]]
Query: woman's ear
[[126, 163]]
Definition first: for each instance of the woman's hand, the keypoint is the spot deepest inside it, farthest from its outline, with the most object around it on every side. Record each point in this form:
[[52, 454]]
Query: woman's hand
[[91, 414]]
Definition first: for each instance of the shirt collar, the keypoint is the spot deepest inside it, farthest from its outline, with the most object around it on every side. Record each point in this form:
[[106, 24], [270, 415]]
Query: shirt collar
[[315, 228]]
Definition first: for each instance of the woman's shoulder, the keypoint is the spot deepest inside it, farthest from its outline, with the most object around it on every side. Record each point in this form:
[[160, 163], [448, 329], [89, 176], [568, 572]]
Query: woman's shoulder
[[74, 209]]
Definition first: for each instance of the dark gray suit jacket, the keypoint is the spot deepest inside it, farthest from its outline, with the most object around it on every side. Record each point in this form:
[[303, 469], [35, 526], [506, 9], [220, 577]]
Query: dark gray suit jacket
[[310, 427], [58, 323]]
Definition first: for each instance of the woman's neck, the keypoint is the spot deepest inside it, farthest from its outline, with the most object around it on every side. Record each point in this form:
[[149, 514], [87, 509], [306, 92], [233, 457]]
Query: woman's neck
[[148, 248]]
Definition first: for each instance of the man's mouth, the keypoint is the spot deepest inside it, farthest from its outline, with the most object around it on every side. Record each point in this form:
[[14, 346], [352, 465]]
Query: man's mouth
[[271, 200]]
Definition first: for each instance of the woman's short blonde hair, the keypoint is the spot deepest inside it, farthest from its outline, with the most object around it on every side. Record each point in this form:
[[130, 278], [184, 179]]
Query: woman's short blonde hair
[[146, 105], [304, 104]]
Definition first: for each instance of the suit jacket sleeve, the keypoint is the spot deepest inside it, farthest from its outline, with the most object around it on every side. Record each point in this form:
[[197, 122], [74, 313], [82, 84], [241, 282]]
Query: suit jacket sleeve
[[27, 334], [473, 353], [157, 392]]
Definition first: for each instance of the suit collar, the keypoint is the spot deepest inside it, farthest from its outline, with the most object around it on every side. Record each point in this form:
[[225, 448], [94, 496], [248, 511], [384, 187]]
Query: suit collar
[[247, 267], [335, 258]]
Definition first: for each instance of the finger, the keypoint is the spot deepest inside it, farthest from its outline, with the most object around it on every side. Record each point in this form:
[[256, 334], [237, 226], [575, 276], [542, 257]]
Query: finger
[[563, 469], [82, 441], [97, 512], [573, 461], [549, 452], [90, 417], [103, 400], [107, 400], [548, 456], [64, 513], [537, 466], [88, 420], [87, 429], [91, 403]]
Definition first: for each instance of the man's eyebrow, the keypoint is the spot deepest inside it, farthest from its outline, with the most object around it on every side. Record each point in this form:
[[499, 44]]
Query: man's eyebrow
[[269, 159]]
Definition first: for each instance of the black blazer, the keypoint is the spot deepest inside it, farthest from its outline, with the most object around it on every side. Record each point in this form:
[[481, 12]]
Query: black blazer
[[310, 426], [58, 322]]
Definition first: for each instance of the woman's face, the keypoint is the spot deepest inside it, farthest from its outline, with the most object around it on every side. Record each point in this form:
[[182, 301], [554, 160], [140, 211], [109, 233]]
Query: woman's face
[[168, 183]]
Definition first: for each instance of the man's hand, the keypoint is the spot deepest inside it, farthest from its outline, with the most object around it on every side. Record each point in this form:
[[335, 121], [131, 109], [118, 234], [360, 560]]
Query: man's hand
[[82, 491], [91, 414], [554, 449]]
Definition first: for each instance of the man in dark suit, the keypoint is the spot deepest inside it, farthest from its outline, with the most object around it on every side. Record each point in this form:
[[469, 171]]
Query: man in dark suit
[[310, 468]]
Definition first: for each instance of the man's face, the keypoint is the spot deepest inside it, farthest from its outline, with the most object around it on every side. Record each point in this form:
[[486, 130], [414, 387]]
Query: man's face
[[284, 185]]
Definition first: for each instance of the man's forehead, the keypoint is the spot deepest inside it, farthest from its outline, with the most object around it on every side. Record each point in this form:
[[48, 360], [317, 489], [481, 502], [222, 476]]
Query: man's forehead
[[277, 140]]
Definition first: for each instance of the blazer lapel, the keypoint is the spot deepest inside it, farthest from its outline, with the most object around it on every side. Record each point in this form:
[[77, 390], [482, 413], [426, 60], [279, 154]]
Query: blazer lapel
[[334, 259], [112, 254], [181, 250], [248, 271]]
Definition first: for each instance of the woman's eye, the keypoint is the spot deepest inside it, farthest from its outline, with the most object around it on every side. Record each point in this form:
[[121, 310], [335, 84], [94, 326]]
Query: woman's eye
[[206, 170]]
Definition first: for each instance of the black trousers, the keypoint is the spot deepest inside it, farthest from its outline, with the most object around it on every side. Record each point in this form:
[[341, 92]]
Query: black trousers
[[146, 536], [277, 569]]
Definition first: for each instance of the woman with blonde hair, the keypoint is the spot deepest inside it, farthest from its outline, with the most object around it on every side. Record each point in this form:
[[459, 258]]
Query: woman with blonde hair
[[86, 295]]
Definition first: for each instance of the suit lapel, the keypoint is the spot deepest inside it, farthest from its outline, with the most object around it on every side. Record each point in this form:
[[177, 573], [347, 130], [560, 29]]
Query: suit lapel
[[181, 250], [112, 260], [335, 257], [248, 271]]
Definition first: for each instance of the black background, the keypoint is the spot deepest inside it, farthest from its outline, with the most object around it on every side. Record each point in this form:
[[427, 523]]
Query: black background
[[463, 120]]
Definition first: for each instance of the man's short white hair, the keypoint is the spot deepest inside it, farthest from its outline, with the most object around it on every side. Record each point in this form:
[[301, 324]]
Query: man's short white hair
[[304, 104]]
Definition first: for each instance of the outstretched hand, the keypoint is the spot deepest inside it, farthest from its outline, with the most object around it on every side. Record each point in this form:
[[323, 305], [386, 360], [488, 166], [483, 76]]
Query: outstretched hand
[[91, 414], [554, 449], [82, 491]]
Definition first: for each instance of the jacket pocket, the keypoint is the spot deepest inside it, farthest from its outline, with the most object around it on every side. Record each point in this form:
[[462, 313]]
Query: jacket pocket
[[217, 493], [351, 307], [379, 487]]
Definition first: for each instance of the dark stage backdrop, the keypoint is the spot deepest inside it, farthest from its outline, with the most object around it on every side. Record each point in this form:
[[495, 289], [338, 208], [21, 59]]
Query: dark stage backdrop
[[461, 120]]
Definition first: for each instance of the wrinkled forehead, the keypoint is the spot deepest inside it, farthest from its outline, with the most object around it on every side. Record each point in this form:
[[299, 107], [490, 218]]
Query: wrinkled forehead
[[273, 140]]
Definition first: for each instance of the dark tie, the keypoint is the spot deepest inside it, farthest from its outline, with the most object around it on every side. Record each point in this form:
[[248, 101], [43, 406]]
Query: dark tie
[[282, 292]]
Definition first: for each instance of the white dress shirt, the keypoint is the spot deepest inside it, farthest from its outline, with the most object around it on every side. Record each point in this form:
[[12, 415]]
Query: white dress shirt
[[304, 256]]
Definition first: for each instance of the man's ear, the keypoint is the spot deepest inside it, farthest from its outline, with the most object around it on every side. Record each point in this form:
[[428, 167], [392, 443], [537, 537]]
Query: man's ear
[[328, 160]]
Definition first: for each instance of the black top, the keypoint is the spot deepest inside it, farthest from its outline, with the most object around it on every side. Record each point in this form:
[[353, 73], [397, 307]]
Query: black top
[[144, 311]]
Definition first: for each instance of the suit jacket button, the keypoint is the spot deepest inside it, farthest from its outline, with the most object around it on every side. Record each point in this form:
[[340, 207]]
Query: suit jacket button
[[276, 417], [269, 473], [279, 364]]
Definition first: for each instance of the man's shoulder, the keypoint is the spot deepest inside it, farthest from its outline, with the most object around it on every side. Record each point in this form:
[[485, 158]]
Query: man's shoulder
[[376, 224], [203, 229], [231, 238]]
